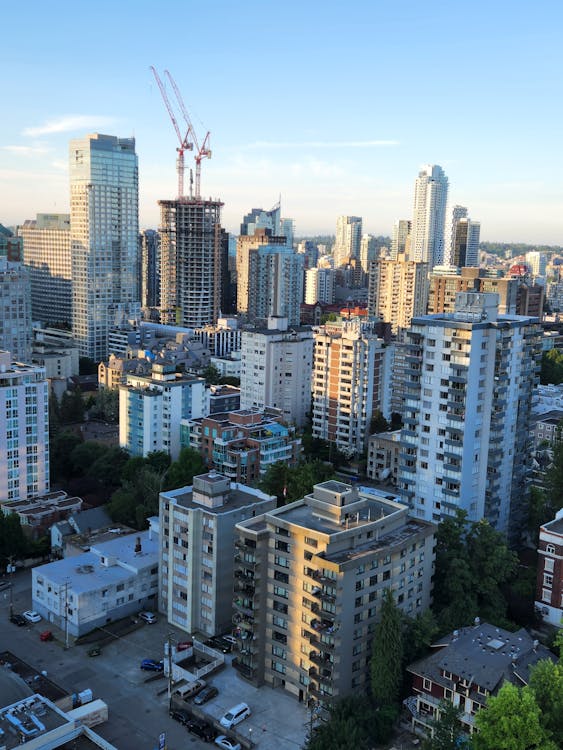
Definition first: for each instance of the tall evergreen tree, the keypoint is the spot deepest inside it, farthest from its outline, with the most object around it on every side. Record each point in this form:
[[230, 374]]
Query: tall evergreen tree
[[387, 654]]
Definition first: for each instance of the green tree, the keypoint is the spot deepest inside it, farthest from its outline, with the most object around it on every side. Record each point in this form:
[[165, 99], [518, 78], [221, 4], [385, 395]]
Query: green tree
[[292, 483], [211, 374], [106, 405], [546, 681], [552, 367], [71, 408], [354, 724], [387, 654], [378, 423], [136, 499], [554, 483], [182, 471], [61, 446], [446, 730], [512, 720], [108, 466], [13, 541], [87, 366], [418, 635], [84, 455]]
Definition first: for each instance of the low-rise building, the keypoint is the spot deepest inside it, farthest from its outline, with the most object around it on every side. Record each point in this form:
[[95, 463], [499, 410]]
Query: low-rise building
[[113, 580], [197, 545], [546, 428], [223, 398], [466, 667], [383, 456], [75, 535], [549, 586], [38, 514], [310, 578]]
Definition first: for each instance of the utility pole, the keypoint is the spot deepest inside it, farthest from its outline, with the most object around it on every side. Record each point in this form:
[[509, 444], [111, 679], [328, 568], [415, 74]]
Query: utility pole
[[169, 666], [66, 613], [11, 569]]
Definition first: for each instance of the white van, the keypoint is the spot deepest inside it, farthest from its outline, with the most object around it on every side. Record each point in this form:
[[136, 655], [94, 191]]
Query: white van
[[235, 715], [190, 689]]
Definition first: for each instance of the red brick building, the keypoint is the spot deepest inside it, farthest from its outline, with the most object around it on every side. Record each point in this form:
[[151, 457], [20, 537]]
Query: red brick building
[[549, 585]]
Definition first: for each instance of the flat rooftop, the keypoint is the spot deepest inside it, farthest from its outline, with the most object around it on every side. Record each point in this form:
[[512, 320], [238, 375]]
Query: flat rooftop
[[237, 498], [28, 719]]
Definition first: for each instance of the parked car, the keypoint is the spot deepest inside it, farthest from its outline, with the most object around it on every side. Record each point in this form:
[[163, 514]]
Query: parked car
[[149, 617], [219, 644], [184, 645], [151, 665], [179, 716], [31, 616], [230, 639], [190, 689], [226, 743], [235, 715], [46, 635], [205, 695], [18, 620], [201, 729]]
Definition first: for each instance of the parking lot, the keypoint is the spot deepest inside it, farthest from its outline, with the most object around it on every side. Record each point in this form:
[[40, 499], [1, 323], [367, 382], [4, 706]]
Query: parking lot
[[138, 710]]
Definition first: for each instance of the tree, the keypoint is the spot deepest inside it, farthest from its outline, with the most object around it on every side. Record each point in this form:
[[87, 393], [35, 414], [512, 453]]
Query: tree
[[354, 724], [107, 468], [106, 405], [387, 654], [552, 367], [87, 366], [84, 455], [554, 483], [211, 374], [378, 423], [546, 681], [512, 720], [182, 471], [292, 483], [13, 541], [61, 446], [446, 729], [71, 408], [418, 635]]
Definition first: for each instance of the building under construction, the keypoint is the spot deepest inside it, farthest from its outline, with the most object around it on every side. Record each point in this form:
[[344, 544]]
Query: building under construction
[[190, 261]]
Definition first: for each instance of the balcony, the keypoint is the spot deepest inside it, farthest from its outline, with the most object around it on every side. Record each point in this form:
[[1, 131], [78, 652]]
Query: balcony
[[244, 669]]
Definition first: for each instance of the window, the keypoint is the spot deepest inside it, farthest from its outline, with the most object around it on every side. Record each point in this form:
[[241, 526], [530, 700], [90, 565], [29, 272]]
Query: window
[[547, 579], [546, 595], [448, 694], [548, 565], [550, 549], [427, 684]]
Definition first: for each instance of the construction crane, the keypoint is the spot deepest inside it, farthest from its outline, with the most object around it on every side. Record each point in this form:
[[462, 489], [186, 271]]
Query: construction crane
[[203, 152], [185, 143]]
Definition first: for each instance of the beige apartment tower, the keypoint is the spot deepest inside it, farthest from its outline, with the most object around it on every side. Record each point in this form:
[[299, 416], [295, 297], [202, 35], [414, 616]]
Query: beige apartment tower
[[310, 578], [398, 291]]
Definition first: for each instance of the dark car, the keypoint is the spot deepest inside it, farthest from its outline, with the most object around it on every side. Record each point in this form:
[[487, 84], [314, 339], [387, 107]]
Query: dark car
[[201, 729], [220, 644], [179, 716], [18, 620], [205, 695], [151, 665]]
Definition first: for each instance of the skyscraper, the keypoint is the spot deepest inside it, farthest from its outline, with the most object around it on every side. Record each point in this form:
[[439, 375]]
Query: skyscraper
[[400, 241], [429, 214], [15, 299], [348, 239], [462, 238], [104, 228], [190, 252], [465, 439], [47, 256], [260, 219], [150, 268], [398, 291]]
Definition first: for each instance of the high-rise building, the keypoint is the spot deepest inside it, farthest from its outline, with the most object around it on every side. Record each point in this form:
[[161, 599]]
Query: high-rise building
[[15, 301], [197, 550], [310, 579], [150, 268], [259, 219], [351, 382], [369, 251], [429, 215], [348, 239], [399, 291], [319, 285], [466, 437], [104, 230], [400, 242], [191, 268], [47, 256], [462, 239], [151, 408], [537, 262], [276, 364], [446, 282], [24, 430], [287, 229], [269, 280]]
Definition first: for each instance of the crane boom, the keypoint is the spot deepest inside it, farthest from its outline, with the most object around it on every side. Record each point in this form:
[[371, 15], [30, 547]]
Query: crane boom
[[184, 143]]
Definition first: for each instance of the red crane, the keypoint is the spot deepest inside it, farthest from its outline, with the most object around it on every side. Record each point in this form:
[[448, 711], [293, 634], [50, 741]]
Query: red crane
[[185, 143], [203, 152]]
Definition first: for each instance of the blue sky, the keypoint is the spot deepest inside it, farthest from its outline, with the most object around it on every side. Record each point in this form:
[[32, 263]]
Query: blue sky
[[333, 105]]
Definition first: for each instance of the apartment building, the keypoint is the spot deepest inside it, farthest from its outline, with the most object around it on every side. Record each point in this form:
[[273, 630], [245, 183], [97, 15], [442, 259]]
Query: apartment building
[[152, 406], [351, 381], [399, 291], [197, 537], [383, 456], [466, 435], [309, 584], [446, 282], [243, 444], [276, 364], [549, 587]]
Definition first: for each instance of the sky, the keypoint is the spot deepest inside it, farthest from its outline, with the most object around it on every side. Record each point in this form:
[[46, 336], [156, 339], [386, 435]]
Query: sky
[[334, 106]]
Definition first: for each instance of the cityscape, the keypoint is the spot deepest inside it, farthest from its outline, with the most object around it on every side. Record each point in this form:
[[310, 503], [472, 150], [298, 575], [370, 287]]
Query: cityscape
[[280, 468]]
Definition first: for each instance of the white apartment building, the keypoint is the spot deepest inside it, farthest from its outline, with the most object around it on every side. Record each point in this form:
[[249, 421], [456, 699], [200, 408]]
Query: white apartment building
[[112, 580], [429, 216], [348, 239], [47, 256], [310, 578], [276, 365], [537, 262], [197, 549], [220, 339], [398, 291], [24, 430], [15, 309], [351, 381], [468, 396], [104, 229], [319, 285], [151, 408], [400, 241]]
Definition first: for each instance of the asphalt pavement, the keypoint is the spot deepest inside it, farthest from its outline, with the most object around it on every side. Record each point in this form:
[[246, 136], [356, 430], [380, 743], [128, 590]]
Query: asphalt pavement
[[138, 709]]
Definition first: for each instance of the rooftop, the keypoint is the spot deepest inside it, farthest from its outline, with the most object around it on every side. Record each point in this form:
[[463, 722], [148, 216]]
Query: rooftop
[[28, 719]]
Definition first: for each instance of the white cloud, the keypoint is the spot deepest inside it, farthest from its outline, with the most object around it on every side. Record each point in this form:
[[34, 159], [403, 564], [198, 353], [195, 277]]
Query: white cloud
[[68, 123], [321, 144], [25, 150]]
